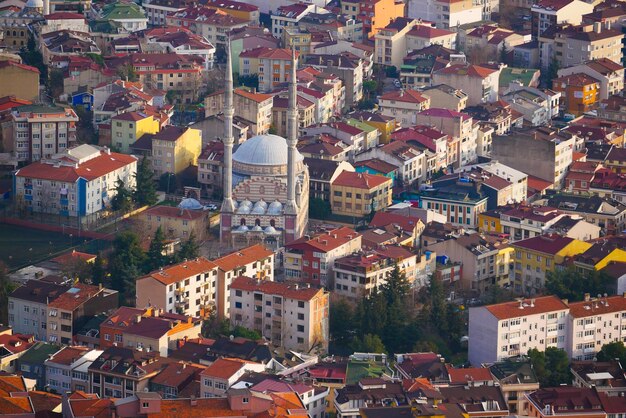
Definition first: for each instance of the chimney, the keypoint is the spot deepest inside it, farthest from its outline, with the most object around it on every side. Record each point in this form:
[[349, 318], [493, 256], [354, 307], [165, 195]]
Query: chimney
[[138, 319], [587, 297], [597, 27]]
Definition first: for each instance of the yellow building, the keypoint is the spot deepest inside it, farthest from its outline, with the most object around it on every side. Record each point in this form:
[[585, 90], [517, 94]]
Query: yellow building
[[489, 221], [176, 223], [536, 256], [358, 194], [236, 9], [598, 256], [175, 148], [374, 14], [385, 124], [298, 38], [128, 127], [19, 80]]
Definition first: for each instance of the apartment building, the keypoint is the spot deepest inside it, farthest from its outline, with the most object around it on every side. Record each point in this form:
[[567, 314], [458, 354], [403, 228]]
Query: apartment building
[[374, 14], [68, 312], [574, 45], [174, 149], [573, 402], [481, 84], [255, 108], [291, 316], [128, 127], [310, 259], [66, 370], [289, 15], [447, 14], [272, 65], [255, 261], [518, 148], [357, 275], [593, 323], [120, 372], [609, 74], [390, 42], [207, 21], [409, 160], [19, 80], [446, 97], [403, 105], [41, 131], [238, 9], [350, 68], [216, 379], [177, 222], [460, 206], [486, 260], [28, 307], [517, 379], [546, 13], [80, 181], [536, 256], [188, 288], [358, 194], [463, 133], [580, 93], [500, 331]]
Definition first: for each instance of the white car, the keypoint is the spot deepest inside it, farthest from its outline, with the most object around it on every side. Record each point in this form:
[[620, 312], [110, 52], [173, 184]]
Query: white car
[[212, 206]]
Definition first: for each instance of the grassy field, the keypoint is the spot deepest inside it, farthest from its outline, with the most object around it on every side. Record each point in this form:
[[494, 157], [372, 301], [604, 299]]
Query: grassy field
[[20, 247]]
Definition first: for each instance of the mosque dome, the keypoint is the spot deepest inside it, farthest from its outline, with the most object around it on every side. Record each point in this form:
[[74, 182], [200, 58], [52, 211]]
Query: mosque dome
[[34, 4], [275, 208], [244, 209], [190, 203], [242, 228], [270, 230], [246, 202], [264, 150], [257, 228]]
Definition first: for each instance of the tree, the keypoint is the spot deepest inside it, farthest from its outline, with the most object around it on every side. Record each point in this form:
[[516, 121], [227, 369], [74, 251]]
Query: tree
[[341, 325], [56, 82], [371, 343], [369, 87], [551, 366], [167, 182], [127, 72], [251, 81], [242, 332], [155, 257], [125, 265], [319, 208], [98, 272], [145, 191], [366, 104], [123, 197], [503, 53], [612, 351], [189, 249], [391, 71], [572, 285], [6, 288], [33, 57]]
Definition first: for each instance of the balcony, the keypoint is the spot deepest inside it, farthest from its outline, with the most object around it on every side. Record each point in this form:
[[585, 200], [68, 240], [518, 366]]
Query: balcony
[[180, 291]]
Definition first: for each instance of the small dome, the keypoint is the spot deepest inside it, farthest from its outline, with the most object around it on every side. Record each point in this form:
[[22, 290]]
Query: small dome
[[191, 204], [257, 228], [264, 150], [243, 210], [245, 202], [275, 208], [270, 230], [242, 228], [34, 4], [258, 210], [261, 204]]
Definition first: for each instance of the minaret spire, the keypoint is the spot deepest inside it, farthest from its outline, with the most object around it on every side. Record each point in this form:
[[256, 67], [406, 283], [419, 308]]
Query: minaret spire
[[228, 205], [292, 137]]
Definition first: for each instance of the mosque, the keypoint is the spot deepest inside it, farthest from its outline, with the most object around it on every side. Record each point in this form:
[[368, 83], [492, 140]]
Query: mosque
[[266, 183]]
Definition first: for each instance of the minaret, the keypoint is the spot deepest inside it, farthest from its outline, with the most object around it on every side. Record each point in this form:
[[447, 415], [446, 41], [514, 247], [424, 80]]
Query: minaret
[[292, 138], [228, 206]]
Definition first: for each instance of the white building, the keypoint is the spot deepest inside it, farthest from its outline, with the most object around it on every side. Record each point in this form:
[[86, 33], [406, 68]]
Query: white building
[[504, 330], [291, 316], [411, 161], [593, 323], [66, 370], [78, 182], [65, 21], [188, 288], [518, 179]]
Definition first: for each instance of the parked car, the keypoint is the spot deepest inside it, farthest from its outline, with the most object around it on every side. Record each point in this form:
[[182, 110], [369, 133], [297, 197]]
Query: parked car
[[211, 206]]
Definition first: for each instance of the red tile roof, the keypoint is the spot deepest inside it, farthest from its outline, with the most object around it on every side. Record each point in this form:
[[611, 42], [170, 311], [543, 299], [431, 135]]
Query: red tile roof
[[444, 113], [408, 96], [89, 170], [9, 102], [535, 306], [470, 70], [286, 290], [91, 408], [16, 343], [9, 63], [598, 307], [257, 97], [181, 271], [535, 183], [223, 368], [68, 355], [242, 257], [327, 241], [470, 374], [75, 296], [174, 212], [407, 223], [424, 31], [73, 256], [360, 180], [577, 80], [64, 15], [547, 244]]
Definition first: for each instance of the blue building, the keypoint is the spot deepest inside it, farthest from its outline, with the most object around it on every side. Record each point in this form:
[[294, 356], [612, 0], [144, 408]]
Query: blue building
[[83, 97]]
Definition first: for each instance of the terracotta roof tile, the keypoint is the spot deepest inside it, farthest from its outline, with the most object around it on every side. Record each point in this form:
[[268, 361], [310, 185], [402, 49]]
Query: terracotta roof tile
[[242, 257], [539, 305], [360, 180], [598, 307], [181, 271], [547, 244], [292, 291], [78, 294]]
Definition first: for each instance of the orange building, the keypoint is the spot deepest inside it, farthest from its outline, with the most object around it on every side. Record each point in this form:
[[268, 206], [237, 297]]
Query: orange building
[[236, 9], [374, 14], [580, 93]]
